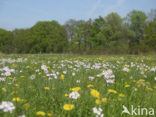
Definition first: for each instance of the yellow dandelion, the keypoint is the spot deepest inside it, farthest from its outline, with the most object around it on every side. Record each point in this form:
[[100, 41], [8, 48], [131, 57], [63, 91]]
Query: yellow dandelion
[[26, 106], [141, 80], [95, 93], [149, 89], [22, 76], [75, 89], [90, 85], [138, 85], [68, 107], [47, 88], [104, 100], [40, 113], [121, 95], [48, 67], [14, 92], [16, 85], [98, 101], [62, 77], [10, 78], [66, 95], [4, 89], [39, 73], [16, 99], [49, 114], [27, 67], [112, 91], [127, 85]]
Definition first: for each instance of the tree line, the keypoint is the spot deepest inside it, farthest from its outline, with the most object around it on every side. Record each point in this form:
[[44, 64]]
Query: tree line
[[133, 34]]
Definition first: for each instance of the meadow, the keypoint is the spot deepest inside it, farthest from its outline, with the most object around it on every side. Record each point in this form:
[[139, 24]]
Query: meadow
[[76, 86]]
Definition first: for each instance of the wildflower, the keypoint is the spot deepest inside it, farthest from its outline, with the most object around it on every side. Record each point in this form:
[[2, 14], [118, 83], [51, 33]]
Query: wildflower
[[14, 92], [2, 79], [110, 81], [26, 106], [16, 85], [73, 74], [21, 116], [126, 69], [40, 113], [108, 75], [91, 78], [39, 73], [141, 80], [138, 85], [7, 106], [68, 107], [27, 67], [112, 91], [104, 99], [62, 77], [127, 85], [74, 95], [66, 95], [135, 89], [4, 89], [47, 88], [22, 76], [16, 99], [98, 101], [98, 112], [90, 85], [121, 95], [49, 114], [32, 77], [149, 89], [44, 68], [64, 72], [95, 93], [78, 81], [75, 89]]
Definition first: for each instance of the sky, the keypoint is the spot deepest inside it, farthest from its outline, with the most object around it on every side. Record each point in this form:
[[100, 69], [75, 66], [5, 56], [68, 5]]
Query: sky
[[25, 13]]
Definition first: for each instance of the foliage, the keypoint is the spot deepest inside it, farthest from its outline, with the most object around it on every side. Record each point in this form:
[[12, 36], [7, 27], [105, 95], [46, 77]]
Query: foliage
[[4, 40], [133, 34]]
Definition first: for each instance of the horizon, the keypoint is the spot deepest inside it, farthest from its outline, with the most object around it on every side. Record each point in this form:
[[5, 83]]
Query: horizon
[[24, 14]]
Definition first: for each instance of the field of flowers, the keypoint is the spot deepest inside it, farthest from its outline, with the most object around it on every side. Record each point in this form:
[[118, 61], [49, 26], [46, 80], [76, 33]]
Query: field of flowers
[[75, 86]]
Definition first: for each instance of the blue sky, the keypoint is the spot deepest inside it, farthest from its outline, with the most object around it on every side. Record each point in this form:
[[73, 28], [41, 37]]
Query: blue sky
[[25, 13]]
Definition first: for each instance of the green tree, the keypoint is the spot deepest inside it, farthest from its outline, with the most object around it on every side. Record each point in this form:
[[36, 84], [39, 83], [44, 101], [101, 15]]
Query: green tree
[[96, 35], [136, 21], [21, 40], [149, 41], [5, 37], [108, 34], [78, 35], [48, 36]]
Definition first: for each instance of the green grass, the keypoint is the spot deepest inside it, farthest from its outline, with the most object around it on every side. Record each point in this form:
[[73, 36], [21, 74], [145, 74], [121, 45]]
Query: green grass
[[141, 91]]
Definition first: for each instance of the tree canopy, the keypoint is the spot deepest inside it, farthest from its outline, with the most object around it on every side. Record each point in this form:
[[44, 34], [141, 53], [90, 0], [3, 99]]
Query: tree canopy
[[136, 33]]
